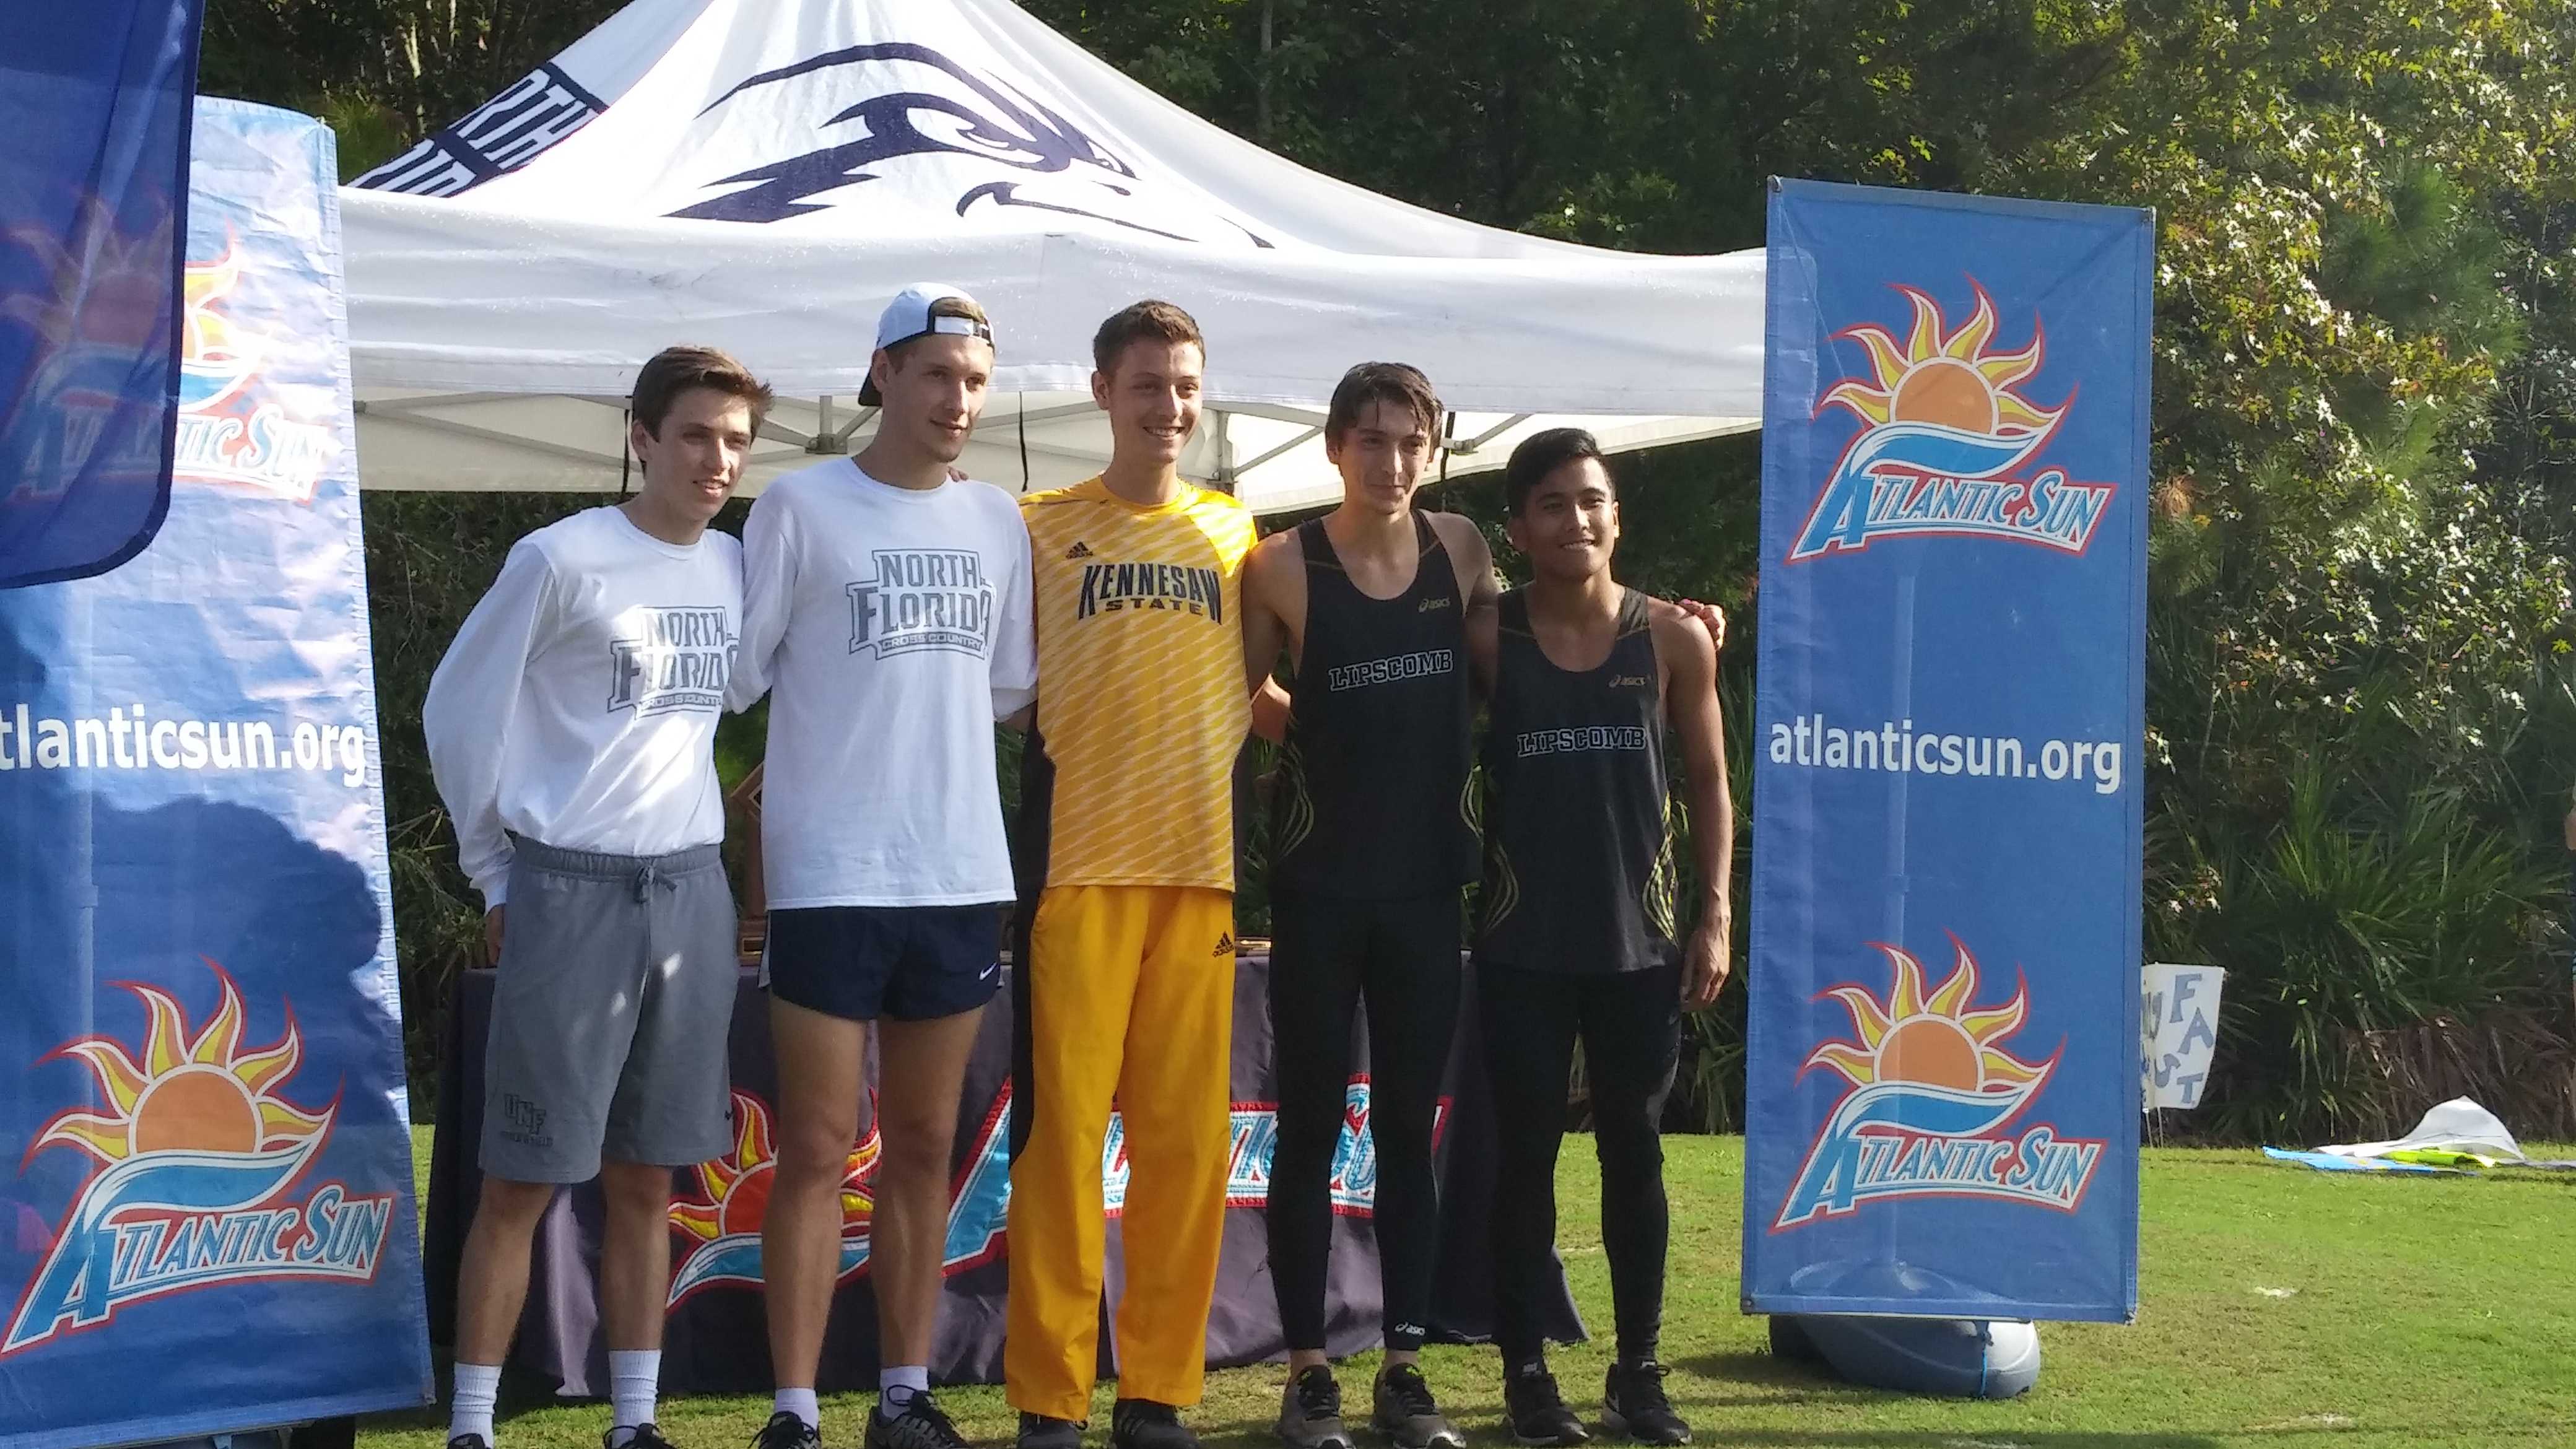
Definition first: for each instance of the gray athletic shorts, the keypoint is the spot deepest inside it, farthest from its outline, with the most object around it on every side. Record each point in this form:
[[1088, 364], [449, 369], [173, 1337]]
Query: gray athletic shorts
[[609, 1020]]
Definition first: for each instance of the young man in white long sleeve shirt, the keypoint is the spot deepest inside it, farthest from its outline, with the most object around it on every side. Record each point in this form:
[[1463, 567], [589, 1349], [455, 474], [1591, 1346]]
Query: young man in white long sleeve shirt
[[571, 730], [887, 613]]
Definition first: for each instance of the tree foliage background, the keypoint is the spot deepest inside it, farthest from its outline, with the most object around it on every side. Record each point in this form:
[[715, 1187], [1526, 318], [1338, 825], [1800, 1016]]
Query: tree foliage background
[[2361, 690]]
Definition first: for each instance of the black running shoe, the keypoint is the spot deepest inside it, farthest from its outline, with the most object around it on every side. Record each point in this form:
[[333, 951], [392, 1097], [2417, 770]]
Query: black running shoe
[[1538, 1413], [643, 1436], [1310, 1412], [469, 1441], [1406, 1413], [786, 1431], [1037, 1431], [918, 1425], [1144, 1424], [1633, 1403]]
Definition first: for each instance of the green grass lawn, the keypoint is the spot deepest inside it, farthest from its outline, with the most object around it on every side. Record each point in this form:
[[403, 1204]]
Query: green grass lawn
[[2278, 1307]]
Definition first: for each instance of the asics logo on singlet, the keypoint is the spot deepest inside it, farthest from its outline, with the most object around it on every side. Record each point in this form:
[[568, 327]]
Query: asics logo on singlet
[[1428, 605], [1108, 588], [1585, 737], [1393, 669], [922, 598], [1629, 681], [670, 658]]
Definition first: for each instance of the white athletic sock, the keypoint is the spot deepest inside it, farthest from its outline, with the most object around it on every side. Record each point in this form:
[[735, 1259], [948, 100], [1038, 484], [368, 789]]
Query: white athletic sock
[[897, 1385], [469, 1410], [633, 1375], [799, 1402]]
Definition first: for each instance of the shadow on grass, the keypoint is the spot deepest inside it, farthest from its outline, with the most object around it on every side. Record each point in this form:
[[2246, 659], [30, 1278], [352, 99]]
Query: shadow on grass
[[1721, 1371], [1251, 1435], [1979, 1440], [2039, 1437]]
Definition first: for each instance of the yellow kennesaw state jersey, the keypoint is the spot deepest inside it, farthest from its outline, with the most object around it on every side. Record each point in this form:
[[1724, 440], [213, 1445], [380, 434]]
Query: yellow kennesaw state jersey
[[1141, 692]]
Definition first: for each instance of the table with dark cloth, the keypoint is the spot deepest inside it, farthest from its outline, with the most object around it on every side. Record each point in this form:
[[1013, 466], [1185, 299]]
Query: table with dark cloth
[[715, 1341]]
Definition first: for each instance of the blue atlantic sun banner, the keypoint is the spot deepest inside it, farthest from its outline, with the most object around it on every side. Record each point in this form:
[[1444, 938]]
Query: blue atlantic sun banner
[[94, 106], [206, 1217], [1943, 1094]]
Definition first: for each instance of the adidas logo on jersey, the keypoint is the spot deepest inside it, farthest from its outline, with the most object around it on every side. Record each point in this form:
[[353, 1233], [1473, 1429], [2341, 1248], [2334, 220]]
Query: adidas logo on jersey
[[1079, 550], [1224, 945]]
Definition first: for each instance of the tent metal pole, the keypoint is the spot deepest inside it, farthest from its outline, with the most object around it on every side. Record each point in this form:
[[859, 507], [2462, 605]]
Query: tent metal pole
[[495, 435], [1085, 408], [1093, 461], [1489, 434], [1275, 412], [389, 405], [1290, 446], [824, 439]]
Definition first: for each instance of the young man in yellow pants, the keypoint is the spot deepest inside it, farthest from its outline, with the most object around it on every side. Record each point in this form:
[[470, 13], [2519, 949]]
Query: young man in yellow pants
[[1127, 990]]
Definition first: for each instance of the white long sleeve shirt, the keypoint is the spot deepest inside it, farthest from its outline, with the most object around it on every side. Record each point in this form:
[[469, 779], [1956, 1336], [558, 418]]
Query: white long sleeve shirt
[[578, 704], [891, 628]]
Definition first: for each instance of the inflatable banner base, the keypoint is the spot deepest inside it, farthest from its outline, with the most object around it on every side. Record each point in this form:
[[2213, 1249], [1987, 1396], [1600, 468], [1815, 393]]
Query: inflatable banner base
[[1954, 1358]]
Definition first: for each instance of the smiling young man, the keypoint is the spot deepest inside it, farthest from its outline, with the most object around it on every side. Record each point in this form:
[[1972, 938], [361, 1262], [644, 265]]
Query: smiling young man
[[887, 615], [1382, 607], [1580, 938], [1127, 991], [571, 730]]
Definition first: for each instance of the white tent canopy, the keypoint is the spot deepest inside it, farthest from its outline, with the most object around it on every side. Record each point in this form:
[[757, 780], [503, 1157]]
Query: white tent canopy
[[762, 175]]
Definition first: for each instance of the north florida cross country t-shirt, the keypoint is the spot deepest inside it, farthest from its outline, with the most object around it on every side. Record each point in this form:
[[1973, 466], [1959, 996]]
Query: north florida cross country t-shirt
[[891, 627], [578, 704]]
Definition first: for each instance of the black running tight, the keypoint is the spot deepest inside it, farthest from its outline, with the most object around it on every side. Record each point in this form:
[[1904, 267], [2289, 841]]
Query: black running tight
[[1327, 955], [1630, 1026]]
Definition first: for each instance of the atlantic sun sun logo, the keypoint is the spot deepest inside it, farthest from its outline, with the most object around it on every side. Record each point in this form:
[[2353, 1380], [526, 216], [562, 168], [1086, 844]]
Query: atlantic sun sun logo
[[1945, 376], [1930, 1095], [733, 1201], [216, 358], [1947, 428], [245, 393], [195, 1155], [1930, 1038], [187, 1090]]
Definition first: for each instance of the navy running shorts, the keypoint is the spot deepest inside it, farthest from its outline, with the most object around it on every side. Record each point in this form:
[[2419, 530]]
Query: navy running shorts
[[910, 963]]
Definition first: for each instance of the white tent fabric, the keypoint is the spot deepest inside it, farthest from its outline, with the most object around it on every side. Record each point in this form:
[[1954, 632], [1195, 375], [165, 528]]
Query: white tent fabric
[[762, 175]]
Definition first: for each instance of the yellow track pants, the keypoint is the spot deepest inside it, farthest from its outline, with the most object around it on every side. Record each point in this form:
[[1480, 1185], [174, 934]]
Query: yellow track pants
[[1131, 1002]]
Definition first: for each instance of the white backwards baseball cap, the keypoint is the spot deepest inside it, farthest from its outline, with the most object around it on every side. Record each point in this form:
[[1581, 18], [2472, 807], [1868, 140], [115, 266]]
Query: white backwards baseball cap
[[925, 309]]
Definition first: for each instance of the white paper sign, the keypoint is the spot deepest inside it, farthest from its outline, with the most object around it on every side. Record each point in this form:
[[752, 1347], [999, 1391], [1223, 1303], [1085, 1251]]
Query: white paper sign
[[2181, 1032]]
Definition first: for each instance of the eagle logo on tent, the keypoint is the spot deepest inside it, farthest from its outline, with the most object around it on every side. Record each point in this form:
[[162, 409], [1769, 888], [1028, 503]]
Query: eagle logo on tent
[[970, 116]]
